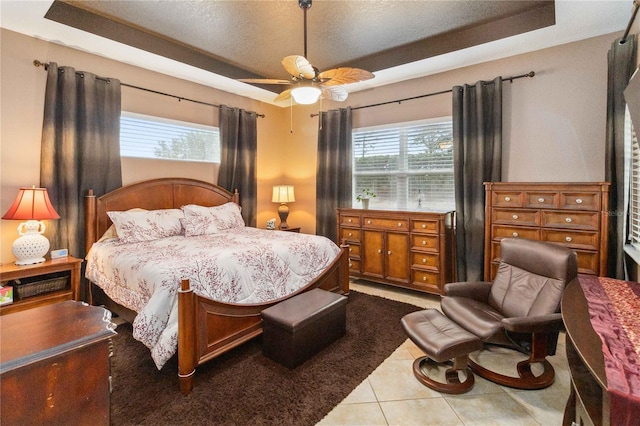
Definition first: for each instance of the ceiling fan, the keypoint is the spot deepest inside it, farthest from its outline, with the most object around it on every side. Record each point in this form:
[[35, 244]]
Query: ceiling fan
[[309, 83]]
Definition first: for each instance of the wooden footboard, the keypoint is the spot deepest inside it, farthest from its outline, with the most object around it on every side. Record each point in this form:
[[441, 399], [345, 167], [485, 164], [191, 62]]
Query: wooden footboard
[[207, 328]]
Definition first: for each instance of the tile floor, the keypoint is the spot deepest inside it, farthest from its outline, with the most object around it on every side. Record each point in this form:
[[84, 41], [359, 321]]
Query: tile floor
[[392, 396]]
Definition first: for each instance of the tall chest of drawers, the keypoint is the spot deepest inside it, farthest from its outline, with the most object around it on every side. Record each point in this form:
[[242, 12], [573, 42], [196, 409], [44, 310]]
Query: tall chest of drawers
[[401, 248], [574, 215]]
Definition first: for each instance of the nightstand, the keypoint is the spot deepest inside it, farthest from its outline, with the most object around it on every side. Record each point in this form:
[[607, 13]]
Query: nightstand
[[69, 266], [290, 229]]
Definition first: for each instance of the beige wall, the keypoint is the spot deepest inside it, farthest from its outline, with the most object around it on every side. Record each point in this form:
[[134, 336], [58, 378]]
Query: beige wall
[[553, 124]]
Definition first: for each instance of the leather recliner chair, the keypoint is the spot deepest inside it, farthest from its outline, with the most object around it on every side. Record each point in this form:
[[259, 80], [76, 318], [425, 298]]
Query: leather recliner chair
[[520, 309]]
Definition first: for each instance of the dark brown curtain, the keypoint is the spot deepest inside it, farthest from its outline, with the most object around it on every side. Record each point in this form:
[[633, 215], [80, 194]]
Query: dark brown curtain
[[239, 143], [333, 175], [477, 153], [621, 61], [80, 148]]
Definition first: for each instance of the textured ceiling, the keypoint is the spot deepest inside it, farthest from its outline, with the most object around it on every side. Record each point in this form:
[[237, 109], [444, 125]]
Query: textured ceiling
[[243, 39]]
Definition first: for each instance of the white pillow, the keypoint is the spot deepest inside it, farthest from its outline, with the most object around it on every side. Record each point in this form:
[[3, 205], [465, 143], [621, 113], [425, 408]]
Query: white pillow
[[111, 233], [200, 220], [136, 226]]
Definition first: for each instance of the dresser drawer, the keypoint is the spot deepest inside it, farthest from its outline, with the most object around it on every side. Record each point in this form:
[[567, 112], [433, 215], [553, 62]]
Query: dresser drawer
[[349, 220], [425, 242], [350, 234], [500, 231], [580, 200], [588, 262], [425, 260], [425, 226], [354, 250], [424, 278], [572, 219], [517, 217], [354, 265], [382, 223], [541, 199], [573, 239], [507, 199]]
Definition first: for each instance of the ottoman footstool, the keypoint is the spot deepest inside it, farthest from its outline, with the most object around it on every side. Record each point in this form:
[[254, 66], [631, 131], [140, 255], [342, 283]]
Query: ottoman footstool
[[297, 328], [442, 340]]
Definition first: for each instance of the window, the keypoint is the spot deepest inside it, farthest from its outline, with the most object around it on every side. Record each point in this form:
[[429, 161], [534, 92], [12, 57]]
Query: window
[[153, 137], [408, 165]]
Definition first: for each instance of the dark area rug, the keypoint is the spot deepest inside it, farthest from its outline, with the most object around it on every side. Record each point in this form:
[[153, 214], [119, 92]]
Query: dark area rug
[[242, 387]]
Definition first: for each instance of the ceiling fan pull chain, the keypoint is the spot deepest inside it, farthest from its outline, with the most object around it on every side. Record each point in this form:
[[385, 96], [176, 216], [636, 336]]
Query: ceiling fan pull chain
[[291, 114]]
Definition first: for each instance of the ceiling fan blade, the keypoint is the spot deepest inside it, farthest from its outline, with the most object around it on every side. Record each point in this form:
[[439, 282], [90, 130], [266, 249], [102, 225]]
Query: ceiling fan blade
[[283, 96], [264, 81], [340, 76], [334, 93], [297, 66]]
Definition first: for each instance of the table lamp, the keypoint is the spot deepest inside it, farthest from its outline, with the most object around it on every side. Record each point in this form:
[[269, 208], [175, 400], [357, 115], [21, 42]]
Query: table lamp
[[32, 205], [283, 194]]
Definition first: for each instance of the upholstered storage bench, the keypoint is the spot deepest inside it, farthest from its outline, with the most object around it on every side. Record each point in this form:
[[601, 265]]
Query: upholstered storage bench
[[298, 328]]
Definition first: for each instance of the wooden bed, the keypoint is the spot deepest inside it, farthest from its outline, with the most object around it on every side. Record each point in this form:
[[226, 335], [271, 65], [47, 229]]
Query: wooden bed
[[207, 328]]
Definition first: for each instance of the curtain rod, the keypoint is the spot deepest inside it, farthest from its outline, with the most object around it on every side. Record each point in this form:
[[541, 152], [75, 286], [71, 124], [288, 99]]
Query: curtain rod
[[398, 101], [636, 6], [37, 63]]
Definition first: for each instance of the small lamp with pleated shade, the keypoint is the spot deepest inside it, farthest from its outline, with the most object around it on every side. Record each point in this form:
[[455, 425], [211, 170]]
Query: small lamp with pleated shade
[[32, 205], [283, 194]]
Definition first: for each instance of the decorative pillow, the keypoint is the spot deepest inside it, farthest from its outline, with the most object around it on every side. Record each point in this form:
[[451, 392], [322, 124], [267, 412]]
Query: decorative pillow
[[136, 226], [111, 231], [200, 220]]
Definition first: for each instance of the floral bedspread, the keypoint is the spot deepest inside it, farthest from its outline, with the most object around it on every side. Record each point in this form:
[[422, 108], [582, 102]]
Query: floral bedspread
[[243, 265]]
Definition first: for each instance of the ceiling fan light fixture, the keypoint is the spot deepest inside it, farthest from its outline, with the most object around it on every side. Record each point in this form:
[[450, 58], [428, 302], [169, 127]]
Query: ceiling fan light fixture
[[306, 95]]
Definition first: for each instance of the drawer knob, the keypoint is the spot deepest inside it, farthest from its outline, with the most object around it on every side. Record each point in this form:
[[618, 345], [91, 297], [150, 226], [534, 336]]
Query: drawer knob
[[368, 222], [424, 278], [515, 217], [568, 220], [568, 239], [424, 260], [350, 234], [515, 234], [379, 251], [349, 220], [399, 223], [424, 242], [389, 252], [541, 200], [424, 225], [350, 249], [578, 200], [507, 199]]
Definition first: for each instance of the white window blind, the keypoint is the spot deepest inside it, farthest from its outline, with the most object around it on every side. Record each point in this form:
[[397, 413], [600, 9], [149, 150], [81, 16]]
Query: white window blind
[[407, 165], [154, 137], [634, 204]]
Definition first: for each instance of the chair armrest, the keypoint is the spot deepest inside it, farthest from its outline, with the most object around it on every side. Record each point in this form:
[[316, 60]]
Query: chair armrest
[[477, 290], [537, 324]]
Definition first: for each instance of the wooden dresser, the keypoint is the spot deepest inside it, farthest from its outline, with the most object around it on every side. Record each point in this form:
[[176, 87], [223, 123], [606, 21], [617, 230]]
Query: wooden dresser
[[407, 249], [55, 366], [571, 214]]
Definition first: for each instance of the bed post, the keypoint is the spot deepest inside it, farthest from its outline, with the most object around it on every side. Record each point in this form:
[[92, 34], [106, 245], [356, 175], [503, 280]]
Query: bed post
[[89, 220], [186, 337], [344, 267]]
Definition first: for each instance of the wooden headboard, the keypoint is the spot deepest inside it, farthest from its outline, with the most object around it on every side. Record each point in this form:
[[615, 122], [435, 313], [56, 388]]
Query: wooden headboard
[[155, 194]]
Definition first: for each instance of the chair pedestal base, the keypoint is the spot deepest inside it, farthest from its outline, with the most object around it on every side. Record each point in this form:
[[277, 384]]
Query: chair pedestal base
[[453, 385], [526, 380]]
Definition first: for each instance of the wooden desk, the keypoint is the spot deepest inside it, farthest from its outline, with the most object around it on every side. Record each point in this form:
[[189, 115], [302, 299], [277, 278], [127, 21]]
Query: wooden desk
[[588, 402], [54, 365]]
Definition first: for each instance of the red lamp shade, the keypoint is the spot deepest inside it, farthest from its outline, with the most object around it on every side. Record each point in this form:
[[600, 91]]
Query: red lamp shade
[[31, 204]]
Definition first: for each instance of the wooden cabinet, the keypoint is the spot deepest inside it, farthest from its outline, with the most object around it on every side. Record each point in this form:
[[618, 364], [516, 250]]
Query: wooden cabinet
[[68, 266], [570, 214], [55, 366], [406, 249]]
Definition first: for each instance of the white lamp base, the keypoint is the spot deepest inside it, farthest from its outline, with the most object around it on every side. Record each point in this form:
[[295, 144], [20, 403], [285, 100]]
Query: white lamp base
[[31, 246]]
